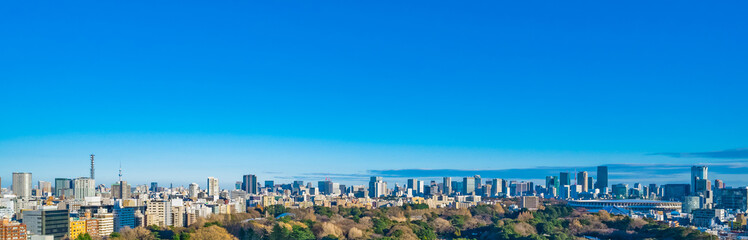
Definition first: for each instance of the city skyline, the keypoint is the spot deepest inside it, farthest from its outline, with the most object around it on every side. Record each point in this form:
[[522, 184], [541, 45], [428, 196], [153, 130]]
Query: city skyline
[[352, 89]]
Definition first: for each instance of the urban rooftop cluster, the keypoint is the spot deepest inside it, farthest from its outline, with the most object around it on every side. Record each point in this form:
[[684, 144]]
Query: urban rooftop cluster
[[69, 208]]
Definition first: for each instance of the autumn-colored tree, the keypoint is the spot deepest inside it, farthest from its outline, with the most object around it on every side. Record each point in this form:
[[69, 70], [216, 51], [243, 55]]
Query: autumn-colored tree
[[212, 232]]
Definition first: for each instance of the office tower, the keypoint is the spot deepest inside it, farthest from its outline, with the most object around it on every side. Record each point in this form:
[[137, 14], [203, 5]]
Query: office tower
[[123, 216], [654, 190], [468, 185], [564, 178], [602, 177], [45, 187], [702, 186], [697, 172], [10, 230], [529, 203], [269, 184], [377, 187], [62, 187], [590, 184], [22, 184], [477, 182], [620, 191], [249, 184], [582, 180], [690, 203], [154, 187], [497, 185], [551, 181], [122, 190], [297, 185], [47, 222], [92, 166], [335, 188], [457, 187], [193, 190], [325, 187], [732, 198], [412, 184], [213, 188], [447, 185], [719, 184], [84, 187], [675, 192]]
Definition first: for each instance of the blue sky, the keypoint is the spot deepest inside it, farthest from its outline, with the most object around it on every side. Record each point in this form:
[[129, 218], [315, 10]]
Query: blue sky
[[182, 90]]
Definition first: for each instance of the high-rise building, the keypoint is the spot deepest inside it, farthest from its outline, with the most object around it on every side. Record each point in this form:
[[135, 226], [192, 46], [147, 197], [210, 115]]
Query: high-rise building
[[468, 185], [582, 181], [496, 187], [675, 192], [620, 191], [477, 182], [602, 177], [45, 187], [47, 222], [84, 187], [377, 187], [123, 216], [213, 188], [22, 184], [121, 190], [732, 198], [193, 190], [92, 167], [154, 187], [249, 183], [590, 184], [564, 178], [63, 188], [719, 184], [412, 184], [447, 185], [269, 184], [697, 173]]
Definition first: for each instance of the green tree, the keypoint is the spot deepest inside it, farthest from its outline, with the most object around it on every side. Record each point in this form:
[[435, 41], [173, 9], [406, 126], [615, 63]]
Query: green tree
[[301, 233], [279, 233]]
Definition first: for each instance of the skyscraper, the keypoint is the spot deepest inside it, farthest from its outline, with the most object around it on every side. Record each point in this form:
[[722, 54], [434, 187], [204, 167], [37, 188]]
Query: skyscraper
[[719, 184], [63, 187], [447, 185], [377, 187], [213, 188], [468, 185], [84, 187], [92, 166], [193, 190], [22, 184], [121, 190], [496, 187], [564, 178], [582, 180], [45, 187], [602, 177], [697, 173], [249, 183]]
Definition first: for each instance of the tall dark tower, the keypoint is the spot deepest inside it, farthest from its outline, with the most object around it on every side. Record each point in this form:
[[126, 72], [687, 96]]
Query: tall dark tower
[[92, 166]]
